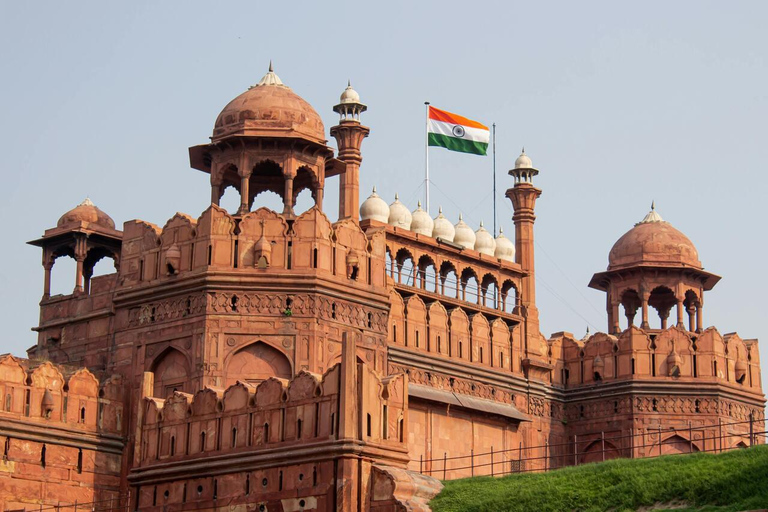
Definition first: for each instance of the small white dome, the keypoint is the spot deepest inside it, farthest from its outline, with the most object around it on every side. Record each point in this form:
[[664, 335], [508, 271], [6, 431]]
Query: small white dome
[[442, 227], [421, 222], [464, 235], [349, 95], [374, 208], [523, 162], [484, 242], [505, 248], [399, 215]]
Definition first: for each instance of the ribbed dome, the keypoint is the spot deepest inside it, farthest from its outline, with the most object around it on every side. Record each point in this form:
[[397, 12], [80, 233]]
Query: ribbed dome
[[374, 208], [442, 227], [399, 215], [86, 212], [271, 107], [464, 235], [505, 248], [421, 222], [484, 242], [653, 242]]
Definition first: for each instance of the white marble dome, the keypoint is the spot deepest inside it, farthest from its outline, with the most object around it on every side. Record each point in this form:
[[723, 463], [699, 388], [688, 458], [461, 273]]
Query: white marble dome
[[421, 222], [505, 248], [442, 227], [399, 215], [374, 208], [523, 162], [464, 235], [484, 242], [349, 95]]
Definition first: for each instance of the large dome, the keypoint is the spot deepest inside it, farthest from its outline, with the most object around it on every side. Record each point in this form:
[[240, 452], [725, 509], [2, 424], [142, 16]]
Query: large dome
[[270, 108], [86, 212], [653, 241]]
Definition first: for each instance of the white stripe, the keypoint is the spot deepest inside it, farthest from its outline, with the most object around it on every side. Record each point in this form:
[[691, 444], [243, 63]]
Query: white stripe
[[474, 134]]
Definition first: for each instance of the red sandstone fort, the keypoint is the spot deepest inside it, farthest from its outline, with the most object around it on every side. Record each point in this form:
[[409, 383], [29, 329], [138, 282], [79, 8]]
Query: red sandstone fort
[[285, 361]]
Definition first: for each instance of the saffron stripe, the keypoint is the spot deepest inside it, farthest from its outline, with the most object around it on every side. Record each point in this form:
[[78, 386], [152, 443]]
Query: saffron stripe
[[460, 145], [448, 117]]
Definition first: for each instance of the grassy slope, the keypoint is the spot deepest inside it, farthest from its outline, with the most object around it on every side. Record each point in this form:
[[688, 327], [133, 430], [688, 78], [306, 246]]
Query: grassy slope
[[732, 481]]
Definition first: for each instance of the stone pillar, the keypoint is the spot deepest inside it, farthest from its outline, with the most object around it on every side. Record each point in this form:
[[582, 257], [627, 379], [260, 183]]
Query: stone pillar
[[79, 274], [664, 315], [48, 265], [680, 311], [288, 196], [692, 318], [216, 194], [699, 318], [244, 195], [644, 324], [319, 198], [615, 317]]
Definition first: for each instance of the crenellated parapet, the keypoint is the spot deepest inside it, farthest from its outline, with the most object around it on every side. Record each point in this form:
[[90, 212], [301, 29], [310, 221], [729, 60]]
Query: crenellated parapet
[[61, 433], [674, 355]]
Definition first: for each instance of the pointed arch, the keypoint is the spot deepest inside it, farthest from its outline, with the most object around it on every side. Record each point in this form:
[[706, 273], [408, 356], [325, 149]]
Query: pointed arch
[[171, 369], [255, 363]]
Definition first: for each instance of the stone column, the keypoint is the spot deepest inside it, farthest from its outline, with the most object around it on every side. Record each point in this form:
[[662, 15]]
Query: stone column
[[215, 194], [699, 318], [644, 324], [48, 265], [288, 196], [691, 318], [615, 317], [244, 195], [319, 198], [79, 275], [680, 311]]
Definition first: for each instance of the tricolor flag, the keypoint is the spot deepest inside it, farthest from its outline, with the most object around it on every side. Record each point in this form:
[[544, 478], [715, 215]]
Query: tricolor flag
[[456, 133]]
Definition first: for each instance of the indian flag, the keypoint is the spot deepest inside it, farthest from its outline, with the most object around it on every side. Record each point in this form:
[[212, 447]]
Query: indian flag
[[456, 133]]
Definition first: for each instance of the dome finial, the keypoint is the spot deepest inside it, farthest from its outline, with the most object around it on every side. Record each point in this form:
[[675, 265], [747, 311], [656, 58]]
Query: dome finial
[[270, 66], [397, 198], [374, 189], [523, 150], [349, 82], [461, 217], [653, 205], [439, 210]]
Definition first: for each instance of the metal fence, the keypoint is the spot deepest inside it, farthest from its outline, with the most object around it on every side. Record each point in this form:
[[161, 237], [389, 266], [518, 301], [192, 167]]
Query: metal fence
[[119, 503], [595, 447]]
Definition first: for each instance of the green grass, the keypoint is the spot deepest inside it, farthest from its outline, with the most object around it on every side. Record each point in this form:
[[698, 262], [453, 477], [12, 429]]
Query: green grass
[[732, 481]]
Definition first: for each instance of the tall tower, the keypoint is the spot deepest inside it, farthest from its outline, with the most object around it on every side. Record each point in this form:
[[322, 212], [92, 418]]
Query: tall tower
[[523, 196], [349, 134]]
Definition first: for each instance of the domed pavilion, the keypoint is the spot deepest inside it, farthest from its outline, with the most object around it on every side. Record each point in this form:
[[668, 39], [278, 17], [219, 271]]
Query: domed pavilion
[[653, 264]]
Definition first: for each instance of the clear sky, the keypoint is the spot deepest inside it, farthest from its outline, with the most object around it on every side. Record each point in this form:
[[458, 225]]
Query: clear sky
[[617, 103]]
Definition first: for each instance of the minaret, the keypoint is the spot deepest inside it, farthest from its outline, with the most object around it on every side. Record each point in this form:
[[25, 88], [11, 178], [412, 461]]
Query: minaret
[[349, 135], [523, 196]]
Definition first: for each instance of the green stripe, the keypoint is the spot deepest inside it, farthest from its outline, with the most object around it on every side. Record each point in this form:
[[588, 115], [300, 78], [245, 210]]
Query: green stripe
[[460, 145]]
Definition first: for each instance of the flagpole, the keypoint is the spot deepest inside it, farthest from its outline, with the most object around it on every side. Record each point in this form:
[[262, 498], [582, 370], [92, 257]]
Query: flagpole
[[426, 154], [494, 180]]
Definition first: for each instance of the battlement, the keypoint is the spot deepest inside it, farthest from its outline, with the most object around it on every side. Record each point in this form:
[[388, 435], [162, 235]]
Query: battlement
[[262, 239], [61, 433], [671, 355]]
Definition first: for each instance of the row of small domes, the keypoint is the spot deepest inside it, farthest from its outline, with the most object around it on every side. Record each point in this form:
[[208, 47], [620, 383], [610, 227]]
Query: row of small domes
[[398, 215]]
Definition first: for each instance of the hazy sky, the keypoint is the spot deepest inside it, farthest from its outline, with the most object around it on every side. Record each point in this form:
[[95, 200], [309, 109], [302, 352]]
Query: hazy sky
[[617, 103]]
